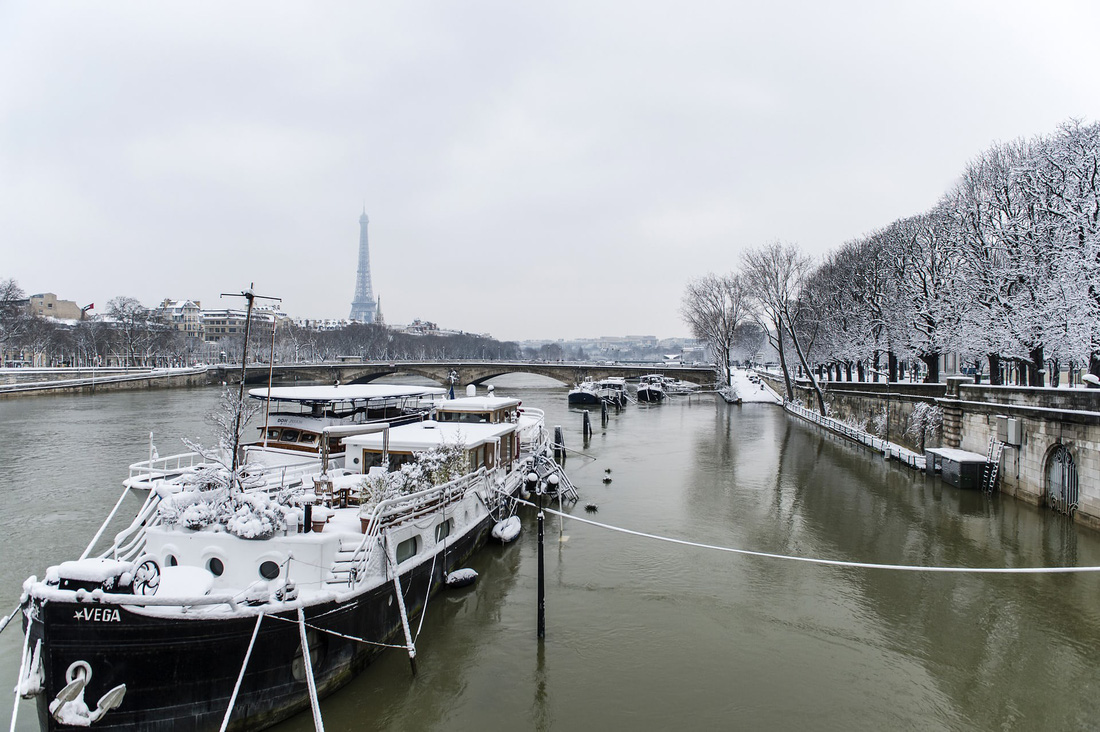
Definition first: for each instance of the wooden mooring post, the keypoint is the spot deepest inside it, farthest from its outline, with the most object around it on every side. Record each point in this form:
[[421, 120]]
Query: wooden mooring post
[[586, 427]]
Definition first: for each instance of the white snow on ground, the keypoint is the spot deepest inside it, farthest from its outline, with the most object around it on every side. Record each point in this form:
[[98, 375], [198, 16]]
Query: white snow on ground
[[752, 392]]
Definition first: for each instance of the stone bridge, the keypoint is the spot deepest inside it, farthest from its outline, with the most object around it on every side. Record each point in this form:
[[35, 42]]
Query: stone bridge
[[469, 372]]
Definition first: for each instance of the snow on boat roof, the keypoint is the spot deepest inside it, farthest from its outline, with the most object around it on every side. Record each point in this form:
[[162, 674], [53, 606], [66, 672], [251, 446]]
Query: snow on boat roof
[[343, 393], [477, 404], [428, 434]]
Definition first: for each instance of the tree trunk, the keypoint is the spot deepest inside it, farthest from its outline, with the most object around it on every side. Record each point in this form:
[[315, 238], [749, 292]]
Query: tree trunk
[[848, 370], [813, 381], [1094, 368], [783, 362], [860, 373], [995, 369], [891, 366], [1035, 366], [932, 361]]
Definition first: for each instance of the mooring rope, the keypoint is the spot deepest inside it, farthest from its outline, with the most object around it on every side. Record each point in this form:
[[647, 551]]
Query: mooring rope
[[240, 676], [95, 538], [340, 635], [8, 618], [307, 661], [826, 562], [19, 679], [428, 594]]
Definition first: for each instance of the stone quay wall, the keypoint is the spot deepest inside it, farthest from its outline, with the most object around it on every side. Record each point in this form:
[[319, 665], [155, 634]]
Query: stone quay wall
[[865, 404], [1046, 419], [108, 382]]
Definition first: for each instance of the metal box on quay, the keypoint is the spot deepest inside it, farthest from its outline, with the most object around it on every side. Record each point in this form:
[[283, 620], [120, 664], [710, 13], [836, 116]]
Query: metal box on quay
[[1009, 430], [960, 468]]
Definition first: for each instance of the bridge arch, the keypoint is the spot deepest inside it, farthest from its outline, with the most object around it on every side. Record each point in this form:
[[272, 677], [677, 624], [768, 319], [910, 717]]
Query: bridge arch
[[469, 372]]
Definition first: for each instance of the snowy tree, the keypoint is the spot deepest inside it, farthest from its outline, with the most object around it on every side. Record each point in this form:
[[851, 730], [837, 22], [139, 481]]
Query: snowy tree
[[926, 271], [14, 317], [714, 307], [776, 275], [134, 326]]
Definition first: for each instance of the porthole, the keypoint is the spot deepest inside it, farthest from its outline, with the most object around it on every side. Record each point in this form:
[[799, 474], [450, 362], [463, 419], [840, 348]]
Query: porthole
[[215, 566], [406, 550], [170, 561], [269, 570]]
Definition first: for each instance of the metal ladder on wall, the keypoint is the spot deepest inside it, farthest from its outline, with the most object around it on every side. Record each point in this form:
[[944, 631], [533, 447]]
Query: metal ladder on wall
[[992, 464]]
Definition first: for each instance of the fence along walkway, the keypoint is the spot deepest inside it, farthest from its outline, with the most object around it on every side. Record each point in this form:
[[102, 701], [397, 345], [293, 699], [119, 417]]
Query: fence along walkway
[[888, 449]]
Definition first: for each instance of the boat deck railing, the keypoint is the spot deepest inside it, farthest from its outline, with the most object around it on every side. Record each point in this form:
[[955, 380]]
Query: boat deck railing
[[144, 474], [533, 438], [394, 512]]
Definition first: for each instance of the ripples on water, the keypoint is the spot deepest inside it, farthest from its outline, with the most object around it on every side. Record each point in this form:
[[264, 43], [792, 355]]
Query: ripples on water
[[652, 635]]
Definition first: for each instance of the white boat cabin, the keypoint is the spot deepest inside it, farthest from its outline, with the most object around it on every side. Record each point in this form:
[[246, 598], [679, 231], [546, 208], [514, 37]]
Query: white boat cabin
[[297, 414], [479, 410], [487, 445]]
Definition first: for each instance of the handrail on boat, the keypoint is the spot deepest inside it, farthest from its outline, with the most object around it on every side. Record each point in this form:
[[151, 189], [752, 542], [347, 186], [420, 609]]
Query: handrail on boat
[[427, 501]]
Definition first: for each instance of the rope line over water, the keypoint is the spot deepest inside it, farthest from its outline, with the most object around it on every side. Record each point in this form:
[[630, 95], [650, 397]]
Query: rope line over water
[[814, 560], [338, 634]]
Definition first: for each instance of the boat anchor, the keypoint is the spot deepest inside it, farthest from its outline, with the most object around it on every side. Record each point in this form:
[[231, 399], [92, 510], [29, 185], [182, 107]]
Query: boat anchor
[[69, 707]]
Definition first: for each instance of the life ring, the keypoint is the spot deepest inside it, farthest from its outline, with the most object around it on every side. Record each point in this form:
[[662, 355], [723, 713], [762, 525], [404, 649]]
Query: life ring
[[147, 577]]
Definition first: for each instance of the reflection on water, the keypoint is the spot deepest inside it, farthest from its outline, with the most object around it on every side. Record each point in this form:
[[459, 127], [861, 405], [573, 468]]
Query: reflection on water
[[654, 635]]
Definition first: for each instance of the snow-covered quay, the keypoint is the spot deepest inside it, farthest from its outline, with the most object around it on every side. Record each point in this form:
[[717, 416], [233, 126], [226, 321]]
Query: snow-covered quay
[[1045, 443]]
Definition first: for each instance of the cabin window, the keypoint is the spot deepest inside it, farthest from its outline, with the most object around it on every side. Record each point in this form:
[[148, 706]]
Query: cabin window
[[397, 459], [269, 570], [406, 549], [273, 433], [465, 417], [308, 438], [290, 435], [371, 460], [443, 530], [215, 566]]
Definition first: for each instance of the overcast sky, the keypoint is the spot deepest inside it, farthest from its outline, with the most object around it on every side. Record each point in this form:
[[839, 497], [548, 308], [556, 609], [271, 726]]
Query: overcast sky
[[549, 171]]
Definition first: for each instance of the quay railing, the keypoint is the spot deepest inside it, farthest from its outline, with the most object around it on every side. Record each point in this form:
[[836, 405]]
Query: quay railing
[[890, 450]]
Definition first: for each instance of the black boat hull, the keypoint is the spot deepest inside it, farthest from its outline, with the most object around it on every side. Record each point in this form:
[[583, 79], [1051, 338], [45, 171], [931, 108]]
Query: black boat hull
[[180, 673]]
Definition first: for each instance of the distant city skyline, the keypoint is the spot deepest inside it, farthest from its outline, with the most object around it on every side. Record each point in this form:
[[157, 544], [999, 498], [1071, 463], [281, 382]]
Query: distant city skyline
[[530, 171]]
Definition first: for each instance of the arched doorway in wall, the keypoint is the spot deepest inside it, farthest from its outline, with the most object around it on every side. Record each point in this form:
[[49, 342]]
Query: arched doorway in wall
[[1061, 480]]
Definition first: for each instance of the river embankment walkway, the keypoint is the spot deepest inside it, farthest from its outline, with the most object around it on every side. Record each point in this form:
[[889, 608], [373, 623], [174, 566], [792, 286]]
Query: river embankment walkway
[[29, 382], [1042, 443]]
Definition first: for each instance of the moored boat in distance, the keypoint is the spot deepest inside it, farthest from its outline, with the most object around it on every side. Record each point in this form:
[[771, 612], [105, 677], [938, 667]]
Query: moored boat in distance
[[248, 595], [584, 393], [611, 390], [651, 388]]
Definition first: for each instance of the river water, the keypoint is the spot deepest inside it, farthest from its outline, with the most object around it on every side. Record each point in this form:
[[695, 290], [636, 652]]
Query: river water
[[654, 635]]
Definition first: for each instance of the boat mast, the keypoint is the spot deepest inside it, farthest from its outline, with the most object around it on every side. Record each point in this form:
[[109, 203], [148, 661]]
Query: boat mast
[[270, 369], [250, 296]]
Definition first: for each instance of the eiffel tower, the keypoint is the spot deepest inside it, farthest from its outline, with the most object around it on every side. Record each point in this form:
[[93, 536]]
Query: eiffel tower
[[363, 304]]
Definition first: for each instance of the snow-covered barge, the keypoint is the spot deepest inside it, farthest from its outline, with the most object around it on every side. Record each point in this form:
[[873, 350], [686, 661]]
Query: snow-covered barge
[[198, 613]]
